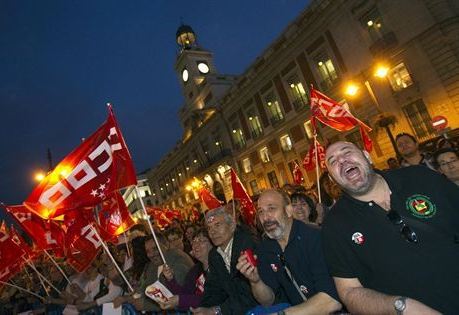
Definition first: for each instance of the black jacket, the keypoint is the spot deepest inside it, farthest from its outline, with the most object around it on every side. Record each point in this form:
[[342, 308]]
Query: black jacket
[[231, 291]]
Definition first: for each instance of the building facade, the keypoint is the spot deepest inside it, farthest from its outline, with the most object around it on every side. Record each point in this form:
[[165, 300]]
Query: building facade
[[395, 63]]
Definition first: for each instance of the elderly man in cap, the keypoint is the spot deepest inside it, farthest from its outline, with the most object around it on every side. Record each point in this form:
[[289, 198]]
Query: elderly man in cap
[[391, 241], [226, 291]]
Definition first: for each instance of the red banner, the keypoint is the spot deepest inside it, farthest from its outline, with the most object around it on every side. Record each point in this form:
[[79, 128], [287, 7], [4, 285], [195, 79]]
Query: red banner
[[209, 199], [114, 218], [47, 235], [297, 175], [309, 161], [81, 241], [99, 166], [336, 116], [247, 207]]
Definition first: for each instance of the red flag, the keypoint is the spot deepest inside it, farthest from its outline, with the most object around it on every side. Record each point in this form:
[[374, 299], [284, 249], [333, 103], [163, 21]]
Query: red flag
[[7, 272], [12, 246], [209, 199], [309, 161], [335, 115], [247, 208], [367, 143], [81, 241], [114, 218], [100, 165], [46, 235], [297, 175]]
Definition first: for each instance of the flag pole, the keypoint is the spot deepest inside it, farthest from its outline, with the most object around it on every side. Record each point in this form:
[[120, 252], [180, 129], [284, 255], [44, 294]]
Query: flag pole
[[149, 224], [316, 155], [32, 265], [127, 244], [57, 266], [112, 259], [22, 289]]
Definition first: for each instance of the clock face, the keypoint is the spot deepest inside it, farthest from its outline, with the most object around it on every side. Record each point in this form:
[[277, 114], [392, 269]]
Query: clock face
[[203, 67], [185, 75]]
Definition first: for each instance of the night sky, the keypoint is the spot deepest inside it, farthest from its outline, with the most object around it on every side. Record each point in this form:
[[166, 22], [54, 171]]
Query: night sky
[[61, 61]]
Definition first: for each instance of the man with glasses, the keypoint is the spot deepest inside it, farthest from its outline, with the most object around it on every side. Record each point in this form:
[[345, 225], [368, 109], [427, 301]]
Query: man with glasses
[[291, 267], [392, 240], [447, 160]]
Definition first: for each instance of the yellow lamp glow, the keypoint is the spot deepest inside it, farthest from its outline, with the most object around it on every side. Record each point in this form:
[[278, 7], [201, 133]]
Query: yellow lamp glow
[[381, 71], [39, 176], [351, 89]]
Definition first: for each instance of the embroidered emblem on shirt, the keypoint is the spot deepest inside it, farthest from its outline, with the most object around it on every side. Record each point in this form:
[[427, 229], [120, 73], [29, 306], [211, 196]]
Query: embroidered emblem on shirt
[[304, 289], [274, 267], [420, 206], [358, 238]]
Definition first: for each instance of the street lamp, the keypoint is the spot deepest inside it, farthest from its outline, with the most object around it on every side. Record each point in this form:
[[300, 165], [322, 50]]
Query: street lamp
[[39, 176]]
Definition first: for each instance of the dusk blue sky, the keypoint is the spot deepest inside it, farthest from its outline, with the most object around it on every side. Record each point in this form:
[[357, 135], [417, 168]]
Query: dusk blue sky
[[61, 61]]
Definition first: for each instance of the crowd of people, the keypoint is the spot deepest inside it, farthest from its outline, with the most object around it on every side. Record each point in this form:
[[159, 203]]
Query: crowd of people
[[378, 242]]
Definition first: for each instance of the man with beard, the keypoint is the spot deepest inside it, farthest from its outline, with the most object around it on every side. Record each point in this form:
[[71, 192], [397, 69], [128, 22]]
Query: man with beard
[[290, 266], [391, 241], [226, 291], [408, 147]]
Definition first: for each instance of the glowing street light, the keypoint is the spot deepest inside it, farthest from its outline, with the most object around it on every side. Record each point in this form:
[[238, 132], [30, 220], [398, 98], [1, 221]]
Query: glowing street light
[[381, 71], [351, 89], [39, 176]]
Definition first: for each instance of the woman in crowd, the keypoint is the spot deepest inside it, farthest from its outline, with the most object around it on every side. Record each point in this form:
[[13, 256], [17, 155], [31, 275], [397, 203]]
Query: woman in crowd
[[189, 295], [303, 208]]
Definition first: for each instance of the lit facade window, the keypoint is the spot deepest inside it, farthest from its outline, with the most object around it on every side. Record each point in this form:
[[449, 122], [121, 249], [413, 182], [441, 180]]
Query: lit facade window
[[238, 137], [273, 179], [286, 143], [264, 155], [374, 24], [399, 77], [254, 187], [254, 124], [246, 166], [297, 92], [308, 128], [274, 109], [326, 70], [419, 119]]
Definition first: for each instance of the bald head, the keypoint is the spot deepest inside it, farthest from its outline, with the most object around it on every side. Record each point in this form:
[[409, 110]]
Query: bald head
[[275, 213]]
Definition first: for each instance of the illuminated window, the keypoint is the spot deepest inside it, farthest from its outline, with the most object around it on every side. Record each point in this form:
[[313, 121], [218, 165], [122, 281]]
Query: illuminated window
[[374, 24], [286, 143], [297, 92], [254, 123], [238, 137], [264, 155], [308, 128], [399, 77], [419, 119], [326, 70], [247, 167], [273, 179], [254, 187], [274, 108]]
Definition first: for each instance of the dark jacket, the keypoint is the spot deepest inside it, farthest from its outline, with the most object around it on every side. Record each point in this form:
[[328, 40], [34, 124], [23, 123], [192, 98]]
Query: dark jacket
[[231, 291]]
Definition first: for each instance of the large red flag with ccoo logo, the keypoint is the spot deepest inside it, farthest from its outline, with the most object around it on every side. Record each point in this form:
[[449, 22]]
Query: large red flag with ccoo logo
[[100, 165], [336, 116]]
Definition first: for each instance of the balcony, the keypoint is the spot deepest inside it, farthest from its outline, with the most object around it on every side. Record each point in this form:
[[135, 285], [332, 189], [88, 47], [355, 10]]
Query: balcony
[[256, 133], [276, 120], [384, 44]]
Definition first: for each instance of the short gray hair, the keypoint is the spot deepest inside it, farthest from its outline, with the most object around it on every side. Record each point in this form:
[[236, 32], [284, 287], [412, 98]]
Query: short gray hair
[[217, 212]]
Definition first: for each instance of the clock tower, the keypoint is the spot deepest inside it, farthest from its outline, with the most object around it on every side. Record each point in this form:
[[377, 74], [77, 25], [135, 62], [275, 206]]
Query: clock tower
[[201, 84]]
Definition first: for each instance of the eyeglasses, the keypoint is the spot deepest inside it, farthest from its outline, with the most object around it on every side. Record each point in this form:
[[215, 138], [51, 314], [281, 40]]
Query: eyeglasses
[[405, 230], [444, 164]]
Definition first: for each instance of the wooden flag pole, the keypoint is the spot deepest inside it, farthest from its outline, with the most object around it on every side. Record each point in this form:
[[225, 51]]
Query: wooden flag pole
[[316, 155], [127, 244], [41, 276], [149, 224], [112, 259], [57, 266], [22, 289]]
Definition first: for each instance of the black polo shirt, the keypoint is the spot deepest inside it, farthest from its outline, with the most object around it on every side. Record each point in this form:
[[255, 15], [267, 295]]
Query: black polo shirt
[[304, 258], [361, 242]]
